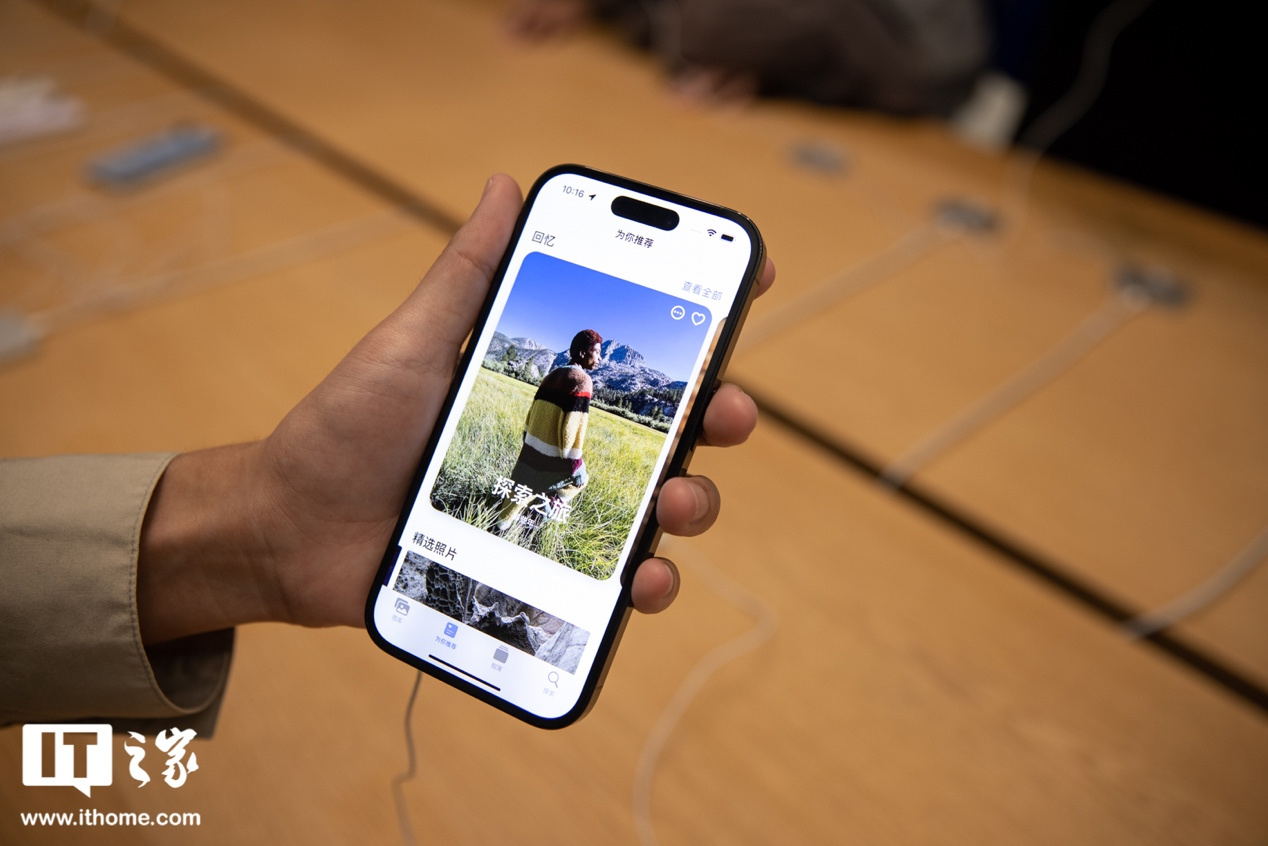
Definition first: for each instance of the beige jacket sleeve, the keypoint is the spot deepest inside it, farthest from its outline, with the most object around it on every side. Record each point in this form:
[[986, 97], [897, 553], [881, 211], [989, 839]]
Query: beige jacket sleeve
[[70, 647]]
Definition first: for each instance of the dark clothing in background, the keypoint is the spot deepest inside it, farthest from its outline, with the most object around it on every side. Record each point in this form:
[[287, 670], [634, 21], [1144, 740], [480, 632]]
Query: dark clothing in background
[[900, 56]]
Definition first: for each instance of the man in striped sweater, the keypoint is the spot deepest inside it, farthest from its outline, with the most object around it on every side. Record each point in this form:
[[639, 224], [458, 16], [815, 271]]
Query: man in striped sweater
[[550, 461]]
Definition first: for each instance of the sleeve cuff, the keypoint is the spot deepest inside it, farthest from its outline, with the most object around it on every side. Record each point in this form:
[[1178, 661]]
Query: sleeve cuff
[[70, 646]]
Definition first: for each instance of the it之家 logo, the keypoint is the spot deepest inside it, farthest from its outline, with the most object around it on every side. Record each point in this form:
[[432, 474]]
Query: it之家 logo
[[80, 755]]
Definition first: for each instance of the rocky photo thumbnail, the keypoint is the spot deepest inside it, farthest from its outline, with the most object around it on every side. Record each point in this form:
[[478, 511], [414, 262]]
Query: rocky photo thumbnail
[[515, 623]]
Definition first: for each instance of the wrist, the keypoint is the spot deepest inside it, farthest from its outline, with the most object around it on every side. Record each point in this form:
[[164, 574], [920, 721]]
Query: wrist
[[202, 563]]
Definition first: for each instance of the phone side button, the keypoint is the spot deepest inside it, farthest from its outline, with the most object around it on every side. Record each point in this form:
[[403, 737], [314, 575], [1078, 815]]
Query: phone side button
[[699, 431], [685, 467]]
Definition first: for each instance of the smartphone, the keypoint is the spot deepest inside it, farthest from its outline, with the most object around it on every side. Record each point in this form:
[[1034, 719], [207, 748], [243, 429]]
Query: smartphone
[[582, 388]]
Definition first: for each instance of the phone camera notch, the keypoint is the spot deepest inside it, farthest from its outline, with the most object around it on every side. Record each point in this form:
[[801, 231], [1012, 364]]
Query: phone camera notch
[[641, 212]]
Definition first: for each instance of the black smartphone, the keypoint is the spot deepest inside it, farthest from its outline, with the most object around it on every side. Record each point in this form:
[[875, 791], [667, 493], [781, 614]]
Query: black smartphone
[[582, 389]]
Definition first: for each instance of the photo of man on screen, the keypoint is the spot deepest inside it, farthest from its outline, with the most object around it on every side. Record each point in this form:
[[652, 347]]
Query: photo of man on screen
[[551, 461]]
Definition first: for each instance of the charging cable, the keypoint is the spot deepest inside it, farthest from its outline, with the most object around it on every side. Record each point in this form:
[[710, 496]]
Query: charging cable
[[1220, 583], [1136, 289], [767, 624], [411, 770]]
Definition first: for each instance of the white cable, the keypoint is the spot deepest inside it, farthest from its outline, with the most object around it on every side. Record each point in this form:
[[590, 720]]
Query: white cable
[[1094, 329], [876, 268], [58, 265], [1222, 581], [87, 206], [761, 633], [270, 258], [121, 120], [400, 780], [21, 233], [1058, 118], [1044, 132]]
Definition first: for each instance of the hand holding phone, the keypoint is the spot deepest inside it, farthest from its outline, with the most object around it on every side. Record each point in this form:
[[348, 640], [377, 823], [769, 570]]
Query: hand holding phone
[[292, 528], [581, 396]]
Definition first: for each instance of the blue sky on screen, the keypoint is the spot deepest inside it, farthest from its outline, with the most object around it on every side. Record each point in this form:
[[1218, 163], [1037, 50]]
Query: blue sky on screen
[[553, 300]]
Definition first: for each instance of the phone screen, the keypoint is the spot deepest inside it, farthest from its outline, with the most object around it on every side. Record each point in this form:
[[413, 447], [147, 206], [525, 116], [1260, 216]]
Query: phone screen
[[510, 573]]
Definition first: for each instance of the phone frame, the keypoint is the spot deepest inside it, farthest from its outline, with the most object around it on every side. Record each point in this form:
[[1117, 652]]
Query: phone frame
[[648, 531]]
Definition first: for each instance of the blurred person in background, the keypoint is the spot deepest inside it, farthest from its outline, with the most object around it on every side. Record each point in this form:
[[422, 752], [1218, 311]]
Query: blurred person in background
[[907, 57]]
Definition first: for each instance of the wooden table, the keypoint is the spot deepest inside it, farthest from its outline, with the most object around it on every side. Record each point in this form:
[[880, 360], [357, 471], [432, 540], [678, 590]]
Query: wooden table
[[1139, 500], [918, 686]]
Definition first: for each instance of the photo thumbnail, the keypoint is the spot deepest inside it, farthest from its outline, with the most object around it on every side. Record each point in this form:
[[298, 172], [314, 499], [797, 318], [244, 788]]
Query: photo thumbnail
[[475, 604], [577, 391]]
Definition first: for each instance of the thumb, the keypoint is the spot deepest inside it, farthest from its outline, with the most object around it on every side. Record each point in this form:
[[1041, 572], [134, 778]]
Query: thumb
[[444, 305]]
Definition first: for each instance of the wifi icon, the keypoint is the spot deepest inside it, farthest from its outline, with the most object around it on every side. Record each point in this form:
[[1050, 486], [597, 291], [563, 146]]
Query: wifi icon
[[712, 232]]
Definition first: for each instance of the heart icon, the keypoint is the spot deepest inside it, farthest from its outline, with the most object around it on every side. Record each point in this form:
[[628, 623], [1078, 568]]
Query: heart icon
[[697, 318]]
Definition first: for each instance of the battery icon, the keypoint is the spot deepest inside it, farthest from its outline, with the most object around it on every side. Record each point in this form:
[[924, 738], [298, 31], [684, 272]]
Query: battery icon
[[727, 238]]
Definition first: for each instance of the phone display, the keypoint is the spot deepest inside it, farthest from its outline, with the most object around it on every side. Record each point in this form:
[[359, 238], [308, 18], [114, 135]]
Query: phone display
[[582, 388]]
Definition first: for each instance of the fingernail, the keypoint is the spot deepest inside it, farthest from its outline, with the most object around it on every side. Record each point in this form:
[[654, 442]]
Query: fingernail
[[672, 587], [702, 502]]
